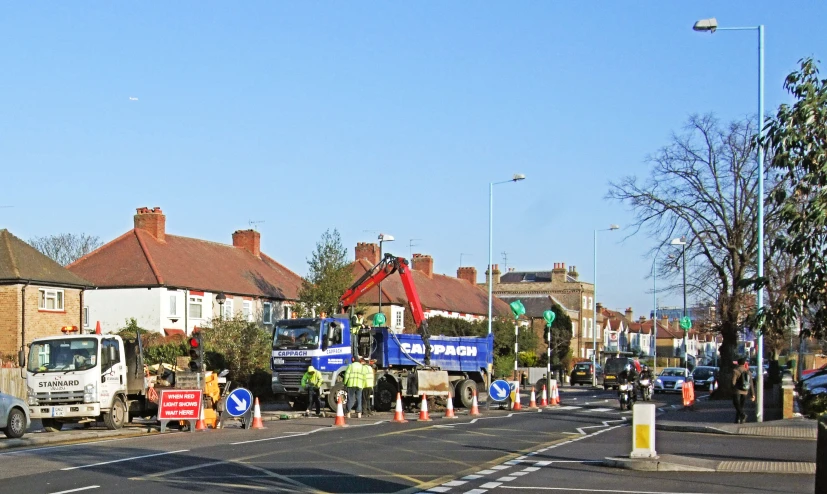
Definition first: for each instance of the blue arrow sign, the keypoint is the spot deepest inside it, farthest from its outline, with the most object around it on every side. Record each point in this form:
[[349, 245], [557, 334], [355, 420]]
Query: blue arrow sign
[[499, 390], [239, 401]]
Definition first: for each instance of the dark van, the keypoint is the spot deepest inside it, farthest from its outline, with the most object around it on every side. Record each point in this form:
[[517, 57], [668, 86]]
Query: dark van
[[613, 367]]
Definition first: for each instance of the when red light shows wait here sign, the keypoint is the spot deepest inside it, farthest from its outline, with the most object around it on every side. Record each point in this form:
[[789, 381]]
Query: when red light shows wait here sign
[[179, 404]]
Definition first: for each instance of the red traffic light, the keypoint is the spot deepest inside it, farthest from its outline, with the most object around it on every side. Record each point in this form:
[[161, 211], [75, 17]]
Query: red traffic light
[[194, 342]]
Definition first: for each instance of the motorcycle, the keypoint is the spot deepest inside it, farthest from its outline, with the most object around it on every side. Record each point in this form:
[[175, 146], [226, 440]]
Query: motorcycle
[[626, 395], [646, 389]]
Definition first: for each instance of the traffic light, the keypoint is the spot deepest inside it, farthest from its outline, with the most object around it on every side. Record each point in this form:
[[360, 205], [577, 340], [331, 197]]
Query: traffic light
[[196, 353]]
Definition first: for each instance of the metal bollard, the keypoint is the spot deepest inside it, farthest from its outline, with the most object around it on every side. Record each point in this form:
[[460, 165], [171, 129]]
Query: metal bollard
[[643, 431], [821, 456]]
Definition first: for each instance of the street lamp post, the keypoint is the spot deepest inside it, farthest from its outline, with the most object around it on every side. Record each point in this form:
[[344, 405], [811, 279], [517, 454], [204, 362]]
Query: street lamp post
[[655, 310], [594, 306], [711, 25], [516, 178], [383, 237], [682, 242], [221, 298]]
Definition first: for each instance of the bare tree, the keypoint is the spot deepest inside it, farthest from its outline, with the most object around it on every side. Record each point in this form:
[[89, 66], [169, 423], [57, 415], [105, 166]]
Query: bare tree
[[65, 248], [703, 185]]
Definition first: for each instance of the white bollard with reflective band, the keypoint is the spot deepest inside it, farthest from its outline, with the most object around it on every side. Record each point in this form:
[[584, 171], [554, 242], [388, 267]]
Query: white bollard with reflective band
[[643, 431]]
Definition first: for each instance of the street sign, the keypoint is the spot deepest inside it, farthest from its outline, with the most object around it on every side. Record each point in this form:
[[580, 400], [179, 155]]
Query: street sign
[[686, 323], [179, 404], [239, 401], [499, 390]]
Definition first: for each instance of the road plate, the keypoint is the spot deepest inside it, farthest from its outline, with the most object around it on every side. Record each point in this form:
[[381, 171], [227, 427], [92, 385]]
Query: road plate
[[58, 412]]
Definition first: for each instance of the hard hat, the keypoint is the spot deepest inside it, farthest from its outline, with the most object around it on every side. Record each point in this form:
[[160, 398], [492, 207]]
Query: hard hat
[[311, 369]]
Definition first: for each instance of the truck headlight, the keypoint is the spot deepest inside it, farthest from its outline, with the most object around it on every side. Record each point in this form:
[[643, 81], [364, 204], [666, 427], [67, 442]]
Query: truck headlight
[[275, 377], [31, 397], [90, 393]]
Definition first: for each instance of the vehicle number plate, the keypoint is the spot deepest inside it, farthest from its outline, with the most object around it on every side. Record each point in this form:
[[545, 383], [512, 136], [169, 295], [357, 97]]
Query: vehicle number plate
[[58, 412], [278, 361], [581, 373]]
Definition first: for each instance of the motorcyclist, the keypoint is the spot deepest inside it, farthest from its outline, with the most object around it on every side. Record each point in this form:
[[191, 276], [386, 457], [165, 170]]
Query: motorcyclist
[[629, 375], [645, 373]]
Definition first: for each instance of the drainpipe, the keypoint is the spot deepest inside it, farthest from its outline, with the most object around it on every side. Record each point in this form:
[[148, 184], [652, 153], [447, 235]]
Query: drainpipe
[[23, 317], [186, 311], [80, 325]]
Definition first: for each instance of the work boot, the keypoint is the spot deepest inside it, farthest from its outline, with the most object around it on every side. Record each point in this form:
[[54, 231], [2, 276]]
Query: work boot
[[358, 415], [349, 414]]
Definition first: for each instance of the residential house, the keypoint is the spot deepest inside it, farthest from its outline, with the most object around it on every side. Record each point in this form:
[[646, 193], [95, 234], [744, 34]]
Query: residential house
[[623, 334], [440, 295], [535, 305], [171, 284], [37, 295], [670, 340], [641, 338], [564, 285]]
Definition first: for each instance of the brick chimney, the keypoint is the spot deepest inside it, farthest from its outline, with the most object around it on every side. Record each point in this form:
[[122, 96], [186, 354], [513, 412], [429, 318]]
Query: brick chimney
[[496, 274], [573, 272], [467, 274], [249, 240], [558, 274], [152, 221], [599, 308], [629, 314], [423, 263], [369, 252]]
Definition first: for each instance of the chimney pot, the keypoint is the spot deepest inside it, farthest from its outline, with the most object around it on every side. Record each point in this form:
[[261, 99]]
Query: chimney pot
[[151, 221], [423, 263], [368, 252], [468, 274], [249, 240]]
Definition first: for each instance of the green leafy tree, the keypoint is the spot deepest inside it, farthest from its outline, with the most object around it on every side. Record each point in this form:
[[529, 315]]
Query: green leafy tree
[[157, 347], [240, 346], [329, 274], [797, 138], [561, 334]]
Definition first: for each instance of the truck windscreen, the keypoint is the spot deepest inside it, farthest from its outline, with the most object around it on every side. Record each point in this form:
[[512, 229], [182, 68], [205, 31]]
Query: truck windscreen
[[296, 337], [71, 354]]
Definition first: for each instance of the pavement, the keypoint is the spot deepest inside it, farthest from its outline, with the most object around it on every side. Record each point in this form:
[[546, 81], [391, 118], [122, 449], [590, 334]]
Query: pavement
[[795, 441]]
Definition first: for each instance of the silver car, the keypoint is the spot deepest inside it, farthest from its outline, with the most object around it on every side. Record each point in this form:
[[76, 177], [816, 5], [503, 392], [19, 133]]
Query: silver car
[[671, 379], [14, 416]]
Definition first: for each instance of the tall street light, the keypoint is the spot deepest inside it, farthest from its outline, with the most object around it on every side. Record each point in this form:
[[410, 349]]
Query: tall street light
[[383, 237], [594, 306], [711, 25], [655, 310], [682, 242], [516, 178]]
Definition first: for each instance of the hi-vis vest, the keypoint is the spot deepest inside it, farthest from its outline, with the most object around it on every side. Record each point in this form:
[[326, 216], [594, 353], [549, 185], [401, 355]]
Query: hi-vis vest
[[314, 379], [367, 376], [353, 375]]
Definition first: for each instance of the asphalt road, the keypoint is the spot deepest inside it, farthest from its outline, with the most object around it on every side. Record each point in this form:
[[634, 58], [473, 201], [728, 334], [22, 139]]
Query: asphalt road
[[552, 450]]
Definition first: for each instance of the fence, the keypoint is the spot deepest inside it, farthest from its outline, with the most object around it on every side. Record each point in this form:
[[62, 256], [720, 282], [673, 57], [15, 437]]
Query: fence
[[12, 383]]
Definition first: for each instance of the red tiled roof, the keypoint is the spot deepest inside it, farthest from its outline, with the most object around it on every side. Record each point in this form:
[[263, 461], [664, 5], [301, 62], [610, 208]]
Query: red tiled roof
[[137, 259], [440, 293], [20, 262]]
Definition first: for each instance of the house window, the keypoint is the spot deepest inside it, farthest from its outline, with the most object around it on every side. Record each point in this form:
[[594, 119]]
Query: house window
[[585, 328], [173, 305], [50, 299], [247, 310], [585, 302], [196, 305], [86, 317], [228, 309], [267, 313], [591, 303], [399, 318]]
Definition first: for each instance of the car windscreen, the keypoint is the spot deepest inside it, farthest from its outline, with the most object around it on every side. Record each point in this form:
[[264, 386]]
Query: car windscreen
[[296, 337], [702, 374], [672, 373], [63, 355]]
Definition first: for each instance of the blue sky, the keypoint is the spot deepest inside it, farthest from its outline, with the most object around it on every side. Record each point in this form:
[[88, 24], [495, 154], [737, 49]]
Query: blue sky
[[373, 116]]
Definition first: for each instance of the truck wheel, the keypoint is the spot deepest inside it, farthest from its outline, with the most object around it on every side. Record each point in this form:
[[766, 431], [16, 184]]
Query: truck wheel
[[384, 397], [337, 390], [16, 424], [464, 393], [115, 417], [52, 425]]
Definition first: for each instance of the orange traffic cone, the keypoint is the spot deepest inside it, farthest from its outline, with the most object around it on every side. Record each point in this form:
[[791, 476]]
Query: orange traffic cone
[[423, 410], [98, 328], [399, 415], [257, 424], [200, 425], [533, 402], [516, 405], [449, 412], [340, 414], [544, 397], [475, 409], [556, 394]]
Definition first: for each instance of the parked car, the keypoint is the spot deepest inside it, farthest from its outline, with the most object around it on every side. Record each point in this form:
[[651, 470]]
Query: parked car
[[807, 372], [14, 416], [671, 379], [582, 374], [704, 376], [613, 367]]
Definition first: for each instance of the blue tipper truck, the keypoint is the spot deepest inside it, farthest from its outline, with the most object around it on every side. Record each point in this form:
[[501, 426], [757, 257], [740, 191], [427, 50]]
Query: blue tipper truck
[[458, 365], [409, 364]]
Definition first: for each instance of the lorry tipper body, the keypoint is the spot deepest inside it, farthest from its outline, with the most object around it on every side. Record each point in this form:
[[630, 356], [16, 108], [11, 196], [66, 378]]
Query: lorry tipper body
[[84, 378], [409, 364]]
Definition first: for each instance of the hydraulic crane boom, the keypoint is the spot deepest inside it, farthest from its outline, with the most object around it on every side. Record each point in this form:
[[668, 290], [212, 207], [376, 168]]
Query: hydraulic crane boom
[[386, 267]]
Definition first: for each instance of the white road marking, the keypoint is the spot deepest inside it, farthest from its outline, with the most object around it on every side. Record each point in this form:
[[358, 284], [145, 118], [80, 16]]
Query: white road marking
[[500, 467], [604, 424], [78, 489], [454, 483], [574, 489], [491, 485], [476, 491], [126, 459], [286, 436], [472, 477], [507, 478], [439, 489], [599, 410]]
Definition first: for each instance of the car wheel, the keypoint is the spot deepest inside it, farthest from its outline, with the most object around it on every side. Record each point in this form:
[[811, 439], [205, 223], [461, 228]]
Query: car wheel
[[16, 424]]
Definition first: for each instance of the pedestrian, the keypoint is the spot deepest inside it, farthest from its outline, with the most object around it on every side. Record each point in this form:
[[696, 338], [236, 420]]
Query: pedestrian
[[353, 382], [741, 387], [312, 382], [369, 379]]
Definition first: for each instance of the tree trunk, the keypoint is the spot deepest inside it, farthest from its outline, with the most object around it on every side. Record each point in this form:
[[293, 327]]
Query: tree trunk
[[728, 350]]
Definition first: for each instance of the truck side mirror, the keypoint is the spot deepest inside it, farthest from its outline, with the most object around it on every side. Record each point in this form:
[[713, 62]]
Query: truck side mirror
[[325, 342], [21, 358]]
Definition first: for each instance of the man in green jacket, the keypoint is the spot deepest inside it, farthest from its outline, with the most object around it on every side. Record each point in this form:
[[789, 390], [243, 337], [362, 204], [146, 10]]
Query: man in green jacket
[[312, 382], [353, 382], [369, 380]]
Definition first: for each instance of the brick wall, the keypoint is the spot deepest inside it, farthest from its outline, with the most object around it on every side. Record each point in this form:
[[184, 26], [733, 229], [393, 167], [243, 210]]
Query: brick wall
[[46, 323], [9, 320]]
